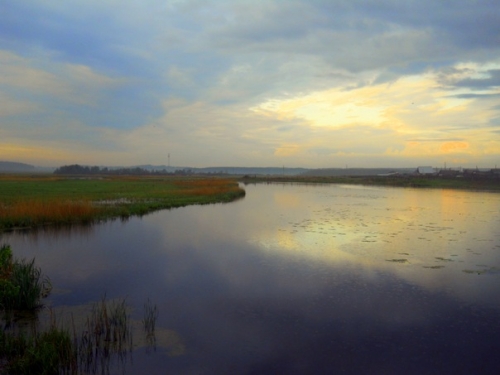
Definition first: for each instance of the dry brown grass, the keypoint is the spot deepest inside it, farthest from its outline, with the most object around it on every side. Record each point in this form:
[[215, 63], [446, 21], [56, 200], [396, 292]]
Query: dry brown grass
[[35, 211]]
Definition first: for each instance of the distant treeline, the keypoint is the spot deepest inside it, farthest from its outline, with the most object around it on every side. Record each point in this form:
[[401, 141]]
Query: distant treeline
[[77, 169]]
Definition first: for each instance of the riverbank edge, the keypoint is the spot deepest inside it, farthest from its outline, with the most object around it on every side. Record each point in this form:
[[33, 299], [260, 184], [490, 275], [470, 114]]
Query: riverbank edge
[[425, 182]]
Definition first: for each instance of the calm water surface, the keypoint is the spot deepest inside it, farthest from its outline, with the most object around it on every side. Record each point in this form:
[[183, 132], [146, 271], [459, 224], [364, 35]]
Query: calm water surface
[[296, 279]]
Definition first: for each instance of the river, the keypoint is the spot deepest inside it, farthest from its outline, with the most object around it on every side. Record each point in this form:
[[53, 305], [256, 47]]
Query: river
[[295, 279]]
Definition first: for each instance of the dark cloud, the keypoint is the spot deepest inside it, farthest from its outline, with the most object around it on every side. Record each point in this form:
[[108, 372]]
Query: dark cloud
[[359, 35], [89, 39], [475, 96], [492, 81], [495, 122]]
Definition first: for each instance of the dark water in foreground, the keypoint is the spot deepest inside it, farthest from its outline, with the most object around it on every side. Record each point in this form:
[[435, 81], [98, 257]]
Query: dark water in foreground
[[296, 279]]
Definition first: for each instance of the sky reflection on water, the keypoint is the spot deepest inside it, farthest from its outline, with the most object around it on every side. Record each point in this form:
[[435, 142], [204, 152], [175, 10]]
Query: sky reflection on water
[[299, 279]]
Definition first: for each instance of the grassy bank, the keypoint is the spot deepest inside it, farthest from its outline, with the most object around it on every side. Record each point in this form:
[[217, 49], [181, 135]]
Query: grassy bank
[[31, 201], [392, 181]]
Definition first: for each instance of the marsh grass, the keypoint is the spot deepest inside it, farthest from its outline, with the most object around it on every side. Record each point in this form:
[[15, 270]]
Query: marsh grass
[[34, 212], [48, 352], [104, 339], [106, 336], [22, 285], [149, 322], [33, 202]]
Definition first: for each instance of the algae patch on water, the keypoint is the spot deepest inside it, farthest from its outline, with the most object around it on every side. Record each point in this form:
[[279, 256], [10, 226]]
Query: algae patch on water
[[398, 260]]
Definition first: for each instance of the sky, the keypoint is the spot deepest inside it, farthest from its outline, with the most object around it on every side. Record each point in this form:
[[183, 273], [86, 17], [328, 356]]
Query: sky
[[294, 83]]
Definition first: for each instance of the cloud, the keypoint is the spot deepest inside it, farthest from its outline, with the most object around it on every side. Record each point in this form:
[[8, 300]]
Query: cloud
[[448, 147], [251, 83]]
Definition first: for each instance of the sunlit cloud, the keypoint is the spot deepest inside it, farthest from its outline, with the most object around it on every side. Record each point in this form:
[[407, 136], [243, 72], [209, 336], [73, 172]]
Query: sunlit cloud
[[312, 84], [449, 147]]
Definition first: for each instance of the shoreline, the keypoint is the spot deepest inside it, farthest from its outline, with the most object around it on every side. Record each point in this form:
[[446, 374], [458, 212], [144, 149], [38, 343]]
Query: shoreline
[[431, 182]]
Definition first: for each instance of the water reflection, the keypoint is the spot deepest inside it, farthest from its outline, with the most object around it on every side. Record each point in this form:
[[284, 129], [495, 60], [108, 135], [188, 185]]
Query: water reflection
[[299, 279], [411, 233]]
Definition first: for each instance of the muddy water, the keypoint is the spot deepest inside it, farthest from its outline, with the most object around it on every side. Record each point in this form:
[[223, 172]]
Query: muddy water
[[295, 279]]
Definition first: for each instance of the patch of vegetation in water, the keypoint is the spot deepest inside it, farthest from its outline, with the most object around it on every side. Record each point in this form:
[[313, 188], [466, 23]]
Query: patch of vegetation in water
[[478, 272], [433, 267], [489, 271], [397, 260]]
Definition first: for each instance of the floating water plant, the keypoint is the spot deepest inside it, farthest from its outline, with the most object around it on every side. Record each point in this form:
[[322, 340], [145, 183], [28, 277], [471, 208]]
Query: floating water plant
[[397, 260]]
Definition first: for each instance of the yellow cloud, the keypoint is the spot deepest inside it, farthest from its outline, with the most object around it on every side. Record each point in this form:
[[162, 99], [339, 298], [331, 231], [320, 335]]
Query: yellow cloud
[[411, 105], [448, 147], [28, 153], [287, 150], [431, 148], [56, 153]]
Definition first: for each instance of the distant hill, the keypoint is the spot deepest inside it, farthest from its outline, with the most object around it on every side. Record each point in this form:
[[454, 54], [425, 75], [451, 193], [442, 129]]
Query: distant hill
[[13, 167]]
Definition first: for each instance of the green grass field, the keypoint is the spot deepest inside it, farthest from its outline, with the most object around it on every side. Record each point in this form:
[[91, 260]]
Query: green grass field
[[31, 201]]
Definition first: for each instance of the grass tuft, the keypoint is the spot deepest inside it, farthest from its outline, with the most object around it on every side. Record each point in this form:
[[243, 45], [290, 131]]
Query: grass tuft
[[149, 322], [106, 335], [22, 285]]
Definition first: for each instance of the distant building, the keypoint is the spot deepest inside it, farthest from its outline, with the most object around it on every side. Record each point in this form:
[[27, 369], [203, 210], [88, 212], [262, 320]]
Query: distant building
[[449, 173], [426, 170], [482, 173]]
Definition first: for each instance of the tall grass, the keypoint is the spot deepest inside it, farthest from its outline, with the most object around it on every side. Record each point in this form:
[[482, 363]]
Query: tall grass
[[149, 322], [104, 340], [34, 212], [46, 353], [22, 285], [106, 335]]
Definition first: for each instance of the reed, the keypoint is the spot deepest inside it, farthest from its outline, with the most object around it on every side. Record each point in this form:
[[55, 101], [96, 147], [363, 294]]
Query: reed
[[104, 340], [45, 353], [22, 285], [33, 212], [106, 335], [149, 322]]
